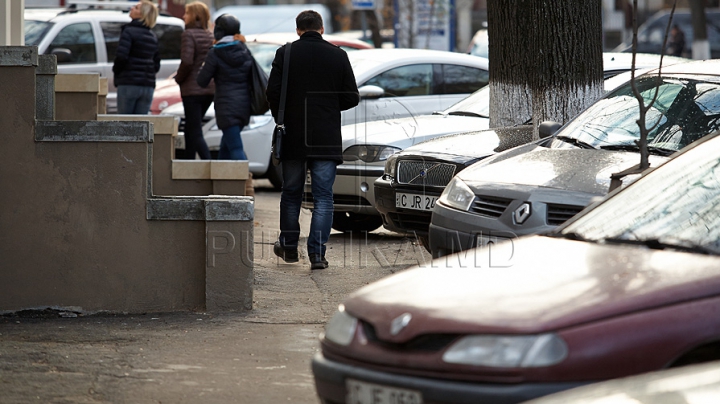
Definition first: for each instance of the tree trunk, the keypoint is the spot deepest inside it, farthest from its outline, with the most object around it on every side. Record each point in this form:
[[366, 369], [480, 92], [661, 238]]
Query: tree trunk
[[700, 43], [545, 59]]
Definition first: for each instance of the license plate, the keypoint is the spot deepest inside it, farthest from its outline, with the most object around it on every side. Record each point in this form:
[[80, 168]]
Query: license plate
[[369, 393], [414, 201]]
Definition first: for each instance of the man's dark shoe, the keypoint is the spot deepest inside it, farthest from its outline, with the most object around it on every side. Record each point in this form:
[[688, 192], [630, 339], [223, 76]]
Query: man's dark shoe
[[317, 261], [288, 255]]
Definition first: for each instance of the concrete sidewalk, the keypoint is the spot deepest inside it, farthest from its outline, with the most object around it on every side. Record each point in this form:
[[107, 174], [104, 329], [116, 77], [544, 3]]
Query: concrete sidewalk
[[262, 356]]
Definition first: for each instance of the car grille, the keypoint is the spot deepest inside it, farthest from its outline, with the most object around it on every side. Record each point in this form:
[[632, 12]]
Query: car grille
[[419, 221], [489, 206], [558, 214], [427, 342], [427, 173]]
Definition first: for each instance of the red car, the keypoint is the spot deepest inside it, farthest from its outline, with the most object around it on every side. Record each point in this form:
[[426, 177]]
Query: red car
[[630, 285], [262, 46]]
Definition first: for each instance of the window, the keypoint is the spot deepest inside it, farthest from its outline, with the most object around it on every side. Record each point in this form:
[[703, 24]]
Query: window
[[35, 31], [405, 80], [454, 79], [168, 39], [79, 40]]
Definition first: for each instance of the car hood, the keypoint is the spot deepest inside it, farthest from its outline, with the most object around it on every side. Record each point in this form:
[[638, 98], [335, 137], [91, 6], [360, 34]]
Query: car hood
[[468, 146], [405, 132], [527, 290], [579, 170]]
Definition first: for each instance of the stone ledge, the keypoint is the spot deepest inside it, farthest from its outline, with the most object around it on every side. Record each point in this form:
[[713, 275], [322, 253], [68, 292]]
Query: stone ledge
[[18, 56], [210, 208], [163, 124], [77, 83], [93, 131], [210, 170]]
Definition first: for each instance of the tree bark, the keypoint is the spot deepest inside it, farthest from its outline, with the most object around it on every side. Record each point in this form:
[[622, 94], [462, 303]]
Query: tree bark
[[545, 59]]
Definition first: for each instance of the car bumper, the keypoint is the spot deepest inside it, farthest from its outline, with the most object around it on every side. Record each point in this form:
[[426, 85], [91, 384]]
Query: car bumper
[[353, 190], [402, 220], [330, 378]]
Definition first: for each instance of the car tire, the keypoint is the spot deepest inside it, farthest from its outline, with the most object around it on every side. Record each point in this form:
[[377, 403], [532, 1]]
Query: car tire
[[355, 222]]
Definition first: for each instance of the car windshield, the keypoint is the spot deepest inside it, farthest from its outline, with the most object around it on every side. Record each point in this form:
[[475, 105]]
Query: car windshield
[[478, 103], [35, 31], [684, 110], [678, 204]]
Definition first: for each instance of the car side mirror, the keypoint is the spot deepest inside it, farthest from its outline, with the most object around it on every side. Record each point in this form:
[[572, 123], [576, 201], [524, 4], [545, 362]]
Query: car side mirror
[[63, 55], [371, 92], [548, 128]]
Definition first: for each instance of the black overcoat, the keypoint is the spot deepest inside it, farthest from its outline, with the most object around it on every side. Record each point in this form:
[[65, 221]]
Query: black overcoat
[[321, 84]]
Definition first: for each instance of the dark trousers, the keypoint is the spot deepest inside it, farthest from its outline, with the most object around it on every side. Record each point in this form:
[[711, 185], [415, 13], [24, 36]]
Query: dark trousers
[[195, 108]]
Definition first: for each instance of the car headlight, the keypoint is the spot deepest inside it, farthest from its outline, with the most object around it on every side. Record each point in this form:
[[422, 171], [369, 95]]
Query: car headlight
[[163, 104], [391, 166], [457, 195], [341, 327], [369, 153], [509, 351]]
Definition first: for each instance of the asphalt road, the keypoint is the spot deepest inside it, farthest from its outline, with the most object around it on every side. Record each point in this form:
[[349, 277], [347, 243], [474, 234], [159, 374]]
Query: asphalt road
[[262, 356]]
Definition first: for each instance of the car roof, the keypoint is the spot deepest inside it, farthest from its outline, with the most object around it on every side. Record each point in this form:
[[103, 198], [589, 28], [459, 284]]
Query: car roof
[[623, 60], [280, 38], [50, 14]]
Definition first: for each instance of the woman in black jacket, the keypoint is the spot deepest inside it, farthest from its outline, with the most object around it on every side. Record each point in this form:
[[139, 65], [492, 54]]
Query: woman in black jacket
[[229, 63], [196, 41], [137, 60]]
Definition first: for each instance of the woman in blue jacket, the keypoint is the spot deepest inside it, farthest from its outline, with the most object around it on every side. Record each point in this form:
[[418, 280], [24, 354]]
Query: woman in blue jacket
[[137, 60], [229, 63]]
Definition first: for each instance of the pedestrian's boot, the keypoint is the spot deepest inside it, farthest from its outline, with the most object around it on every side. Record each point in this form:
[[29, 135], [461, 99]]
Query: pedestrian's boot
[[317, 261]]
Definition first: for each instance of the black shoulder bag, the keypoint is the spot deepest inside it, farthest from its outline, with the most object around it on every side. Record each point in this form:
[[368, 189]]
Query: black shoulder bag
[[258, 84], [279, 131]]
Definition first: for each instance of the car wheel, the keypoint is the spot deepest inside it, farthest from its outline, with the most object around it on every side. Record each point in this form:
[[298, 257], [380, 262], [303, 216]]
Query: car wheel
[[355, 222], [274, 174]]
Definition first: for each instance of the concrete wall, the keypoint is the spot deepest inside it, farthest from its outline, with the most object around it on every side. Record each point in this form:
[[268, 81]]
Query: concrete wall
[[80, 229]]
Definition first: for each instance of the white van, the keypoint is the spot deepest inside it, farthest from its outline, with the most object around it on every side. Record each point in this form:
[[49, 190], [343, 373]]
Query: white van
[[260, 19]]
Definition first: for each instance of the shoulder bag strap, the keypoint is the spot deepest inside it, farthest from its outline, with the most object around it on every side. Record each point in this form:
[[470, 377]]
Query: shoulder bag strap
[[283, 88]]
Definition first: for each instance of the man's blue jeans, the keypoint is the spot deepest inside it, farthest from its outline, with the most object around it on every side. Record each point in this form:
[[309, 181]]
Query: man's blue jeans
[[134, 99], [322, 173], [231, 146]]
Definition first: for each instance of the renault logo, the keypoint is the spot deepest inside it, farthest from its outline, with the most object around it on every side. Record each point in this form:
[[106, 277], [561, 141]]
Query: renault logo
[[522, 213], [400, 323]]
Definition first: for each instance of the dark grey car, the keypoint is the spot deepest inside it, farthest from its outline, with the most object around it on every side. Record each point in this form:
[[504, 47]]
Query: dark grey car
[[533, 188]]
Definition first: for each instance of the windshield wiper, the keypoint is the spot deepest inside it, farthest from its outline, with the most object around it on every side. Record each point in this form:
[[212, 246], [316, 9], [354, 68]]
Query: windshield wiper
[[657, 244], [659, 151], [576, 142], [468, 113]]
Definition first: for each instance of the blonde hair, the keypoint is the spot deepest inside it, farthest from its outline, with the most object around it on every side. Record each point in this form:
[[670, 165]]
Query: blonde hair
[[198, 11], [149, 13]]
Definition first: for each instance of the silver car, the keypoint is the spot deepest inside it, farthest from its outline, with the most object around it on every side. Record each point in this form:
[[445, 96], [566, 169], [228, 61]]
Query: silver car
[[533, 188]]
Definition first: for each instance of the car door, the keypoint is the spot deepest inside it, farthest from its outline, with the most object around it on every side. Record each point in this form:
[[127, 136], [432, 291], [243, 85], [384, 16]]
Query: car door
[[77, 49], [407, 91]]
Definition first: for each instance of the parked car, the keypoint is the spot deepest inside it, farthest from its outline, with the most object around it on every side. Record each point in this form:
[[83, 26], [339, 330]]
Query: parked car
[[651, 34], [263, 47], [85, 40], [629, 286], [414, 178], [392, 83], [694, 384], [533, 188], [266, 18], [354, 193]]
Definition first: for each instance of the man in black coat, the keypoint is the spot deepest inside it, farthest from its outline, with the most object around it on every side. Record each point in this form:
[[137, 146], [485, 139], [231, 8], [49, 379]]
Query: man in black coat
[[321, 84]]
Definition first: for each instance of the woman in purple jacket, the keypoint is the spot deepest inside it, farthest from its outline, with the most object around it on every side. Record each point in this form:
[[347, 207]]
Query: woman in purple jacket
[[196, 41]]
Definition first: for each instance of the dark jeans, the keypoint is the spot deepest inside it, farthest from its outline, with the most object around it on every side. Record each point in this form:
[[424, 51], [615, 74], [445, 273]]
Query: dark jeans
[[231, 146], [322, 173], [134, 99], [195, 107]]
